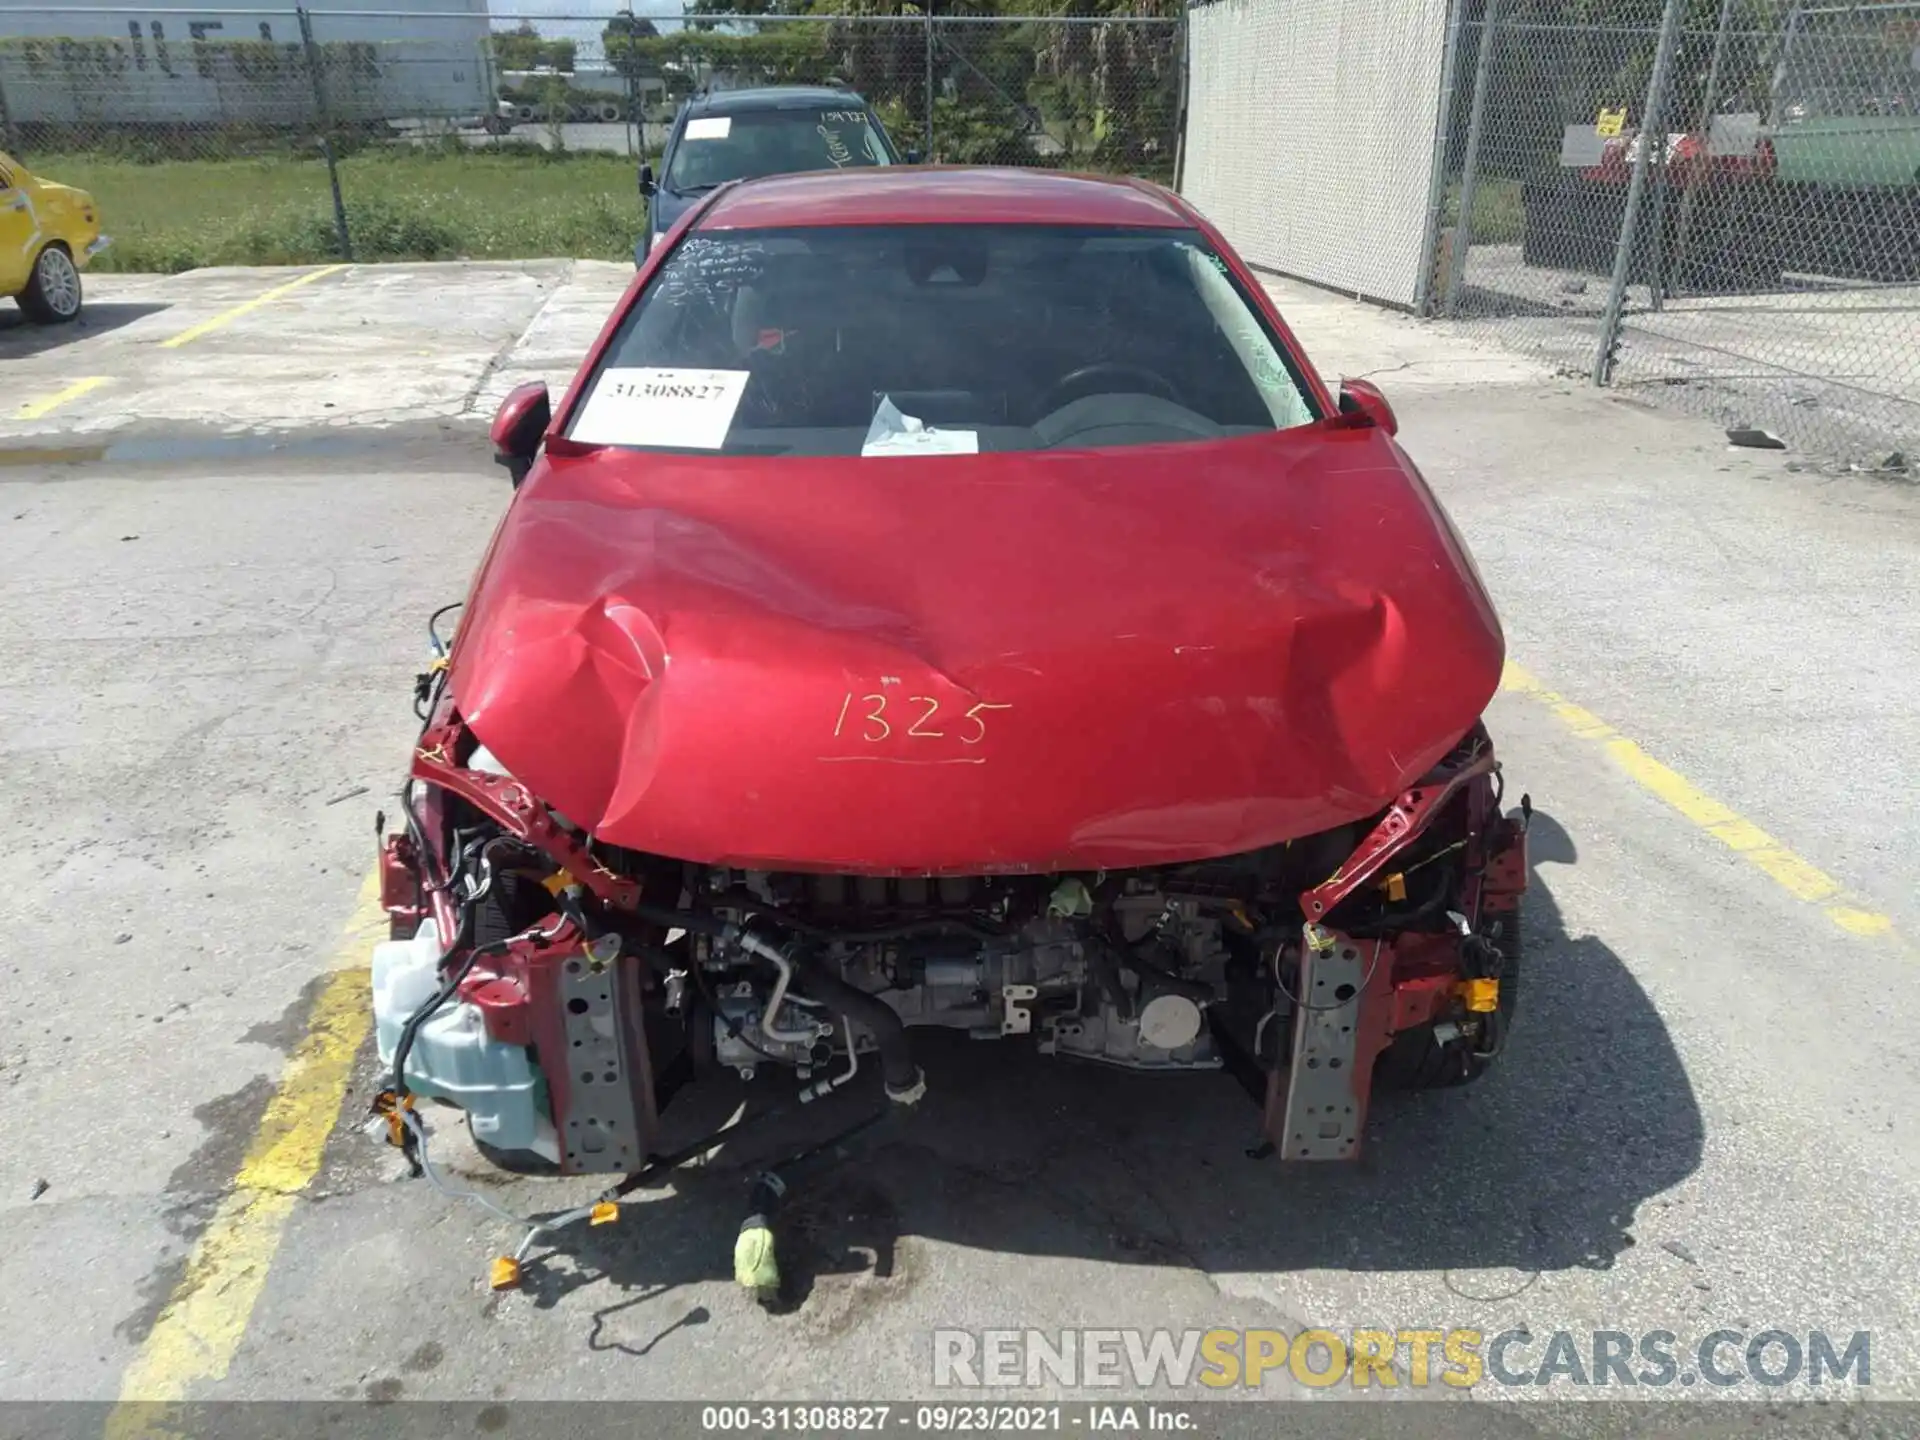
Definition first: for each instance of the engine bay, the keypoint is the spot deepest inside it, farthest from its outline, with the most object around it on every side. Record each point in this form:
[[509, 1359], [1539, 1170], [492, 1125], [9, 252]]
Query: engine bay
[[1120, 969], [561, 991]]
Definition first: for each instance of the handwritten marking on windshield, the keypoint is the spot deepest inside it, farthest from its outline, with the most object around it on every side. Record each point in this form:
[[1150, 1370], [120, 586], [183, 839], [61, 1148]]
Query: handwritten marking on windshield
[[837, 152]]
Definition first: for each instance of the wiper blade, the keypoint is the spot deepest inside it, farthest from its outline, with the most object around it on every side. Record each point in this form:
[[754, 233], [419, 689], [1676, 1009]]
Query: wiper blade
[[698, 189]]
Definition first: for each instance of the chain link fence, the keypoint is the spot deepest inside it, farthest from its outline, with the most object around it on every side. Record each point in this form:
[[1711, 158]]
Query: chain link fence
[[1714, 202], [279, 136]]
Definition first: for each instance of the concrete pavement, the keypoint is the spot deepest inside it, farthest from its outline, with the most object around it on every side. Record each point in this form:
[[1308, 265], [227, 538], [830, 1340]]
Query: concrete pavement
[[1838, 353], [335, 346], [1705, 1118]]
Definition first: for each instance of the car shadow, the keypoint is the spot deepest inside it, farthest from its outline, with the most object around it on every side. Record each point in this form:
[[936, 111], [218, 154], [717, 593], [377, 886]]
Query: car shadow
[[20, 336], [1541, 1166]]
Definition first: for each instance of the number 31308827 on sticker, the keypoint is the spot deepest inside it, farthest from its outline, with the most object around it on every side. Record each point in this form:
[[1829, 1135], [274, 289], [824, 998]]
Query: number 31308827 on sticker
[[655, 405]]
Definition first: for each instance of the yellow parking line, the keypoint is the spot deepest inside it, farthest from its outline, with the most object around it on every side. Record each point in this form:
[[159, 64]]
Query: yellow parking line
[[200, 1329], [47, 404], [227, 317], [1799, 878]]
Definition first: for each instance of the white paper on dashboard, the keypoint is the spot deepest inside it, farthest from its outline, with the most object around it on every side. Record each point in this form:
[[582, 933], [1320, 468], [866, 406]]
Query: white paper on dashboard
[[710, 127], [925, 442], [691, 409], [895, 434]]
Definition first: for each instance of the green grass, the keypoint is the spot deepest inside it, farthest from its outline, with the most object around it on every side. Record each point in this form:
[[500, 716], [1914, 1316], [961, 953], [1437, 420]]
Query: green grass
[[1499, 218], [403, 203]]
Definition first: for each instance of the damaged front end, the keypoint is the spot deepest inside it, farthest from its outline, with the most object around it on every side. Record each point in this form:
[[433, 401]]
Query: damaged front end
[[560, 991], [713, 786]]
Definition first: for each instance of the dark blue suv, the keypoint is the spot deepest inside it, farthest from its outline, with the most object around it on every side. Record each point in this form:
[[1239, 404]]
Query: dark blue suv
[[742, 134]]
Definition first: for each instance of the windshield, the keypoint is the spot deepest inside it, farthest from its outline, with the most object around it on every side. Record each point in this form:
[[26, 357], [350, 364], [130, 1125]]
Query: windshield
[[714, 149], [929, 339]]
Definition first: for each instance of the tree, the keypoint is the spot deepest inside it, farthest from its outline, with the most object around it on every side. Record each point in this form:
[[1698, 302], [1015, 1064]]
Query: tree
[[621, 41], [1089, 94], [524, 48]]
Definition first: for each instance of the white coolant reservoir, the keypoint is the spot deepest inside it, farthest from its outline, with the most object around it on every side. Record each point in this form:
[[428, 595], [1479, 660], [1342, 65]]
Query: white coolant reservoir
[[405, 973], [453, 1057]]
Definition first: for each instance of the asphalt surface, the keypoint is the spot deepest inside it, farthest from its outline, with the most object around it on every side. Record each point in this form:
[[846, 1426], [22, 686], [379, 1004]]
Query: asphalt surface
[[1836, 352], [216, 565]]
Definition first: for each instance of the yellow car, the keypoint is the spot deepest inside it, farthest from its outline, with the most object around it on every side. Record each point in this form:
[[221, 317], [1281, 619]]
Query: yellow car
[[48, 232]]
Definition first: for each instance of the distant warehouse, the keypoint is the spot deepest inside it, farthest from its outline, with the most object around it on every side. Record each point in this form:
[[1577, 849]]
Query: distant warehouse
[[99, 65]]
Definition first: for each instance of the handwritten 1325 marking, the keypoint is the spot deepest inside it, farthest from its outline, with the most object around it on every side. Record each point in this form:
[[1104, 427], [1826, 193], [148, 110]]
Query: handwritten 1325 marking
[[875, 726]]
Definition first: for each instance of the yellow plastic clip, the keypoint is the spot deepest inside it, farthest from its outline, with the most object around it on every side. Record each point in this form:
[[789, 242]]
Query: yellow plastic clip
[[1396, 887], [504, 1273], [605, 1213], [1479, 995], [558, 881], [392, 1109]]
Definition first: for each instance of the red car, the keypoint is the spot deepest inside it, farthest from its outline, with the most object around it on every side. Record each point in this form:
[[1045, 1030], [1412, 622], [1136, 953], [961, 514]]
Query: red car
[[948, 598]]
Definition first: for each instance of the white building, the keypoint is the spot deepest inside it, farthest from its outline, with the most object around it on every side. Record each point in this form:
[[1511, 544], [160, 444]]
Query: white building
[[88, 63]]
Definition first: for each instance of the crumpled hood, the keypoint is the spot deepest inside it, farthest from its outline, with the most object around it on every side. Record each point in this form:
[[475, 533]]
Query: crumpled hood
[[969, 664]]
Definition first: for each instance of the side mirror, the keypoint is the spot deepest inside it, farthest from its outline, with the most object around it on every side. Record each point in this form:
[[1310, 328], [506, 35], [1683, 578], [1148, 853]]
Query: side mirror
[[913, 156], [1362, 402], [647, 187], [517, 427]]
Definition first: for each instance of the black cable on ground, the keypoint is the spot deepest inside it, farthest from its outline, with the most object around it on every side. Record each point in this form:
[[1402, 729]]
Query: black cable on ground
[[660, 1164]]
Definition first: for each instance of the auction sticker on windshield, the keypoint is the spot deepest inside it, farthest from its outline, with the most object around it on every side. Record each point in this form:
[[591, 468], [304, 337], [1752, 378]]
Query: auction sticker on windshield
[[709, 127], [692, 409]]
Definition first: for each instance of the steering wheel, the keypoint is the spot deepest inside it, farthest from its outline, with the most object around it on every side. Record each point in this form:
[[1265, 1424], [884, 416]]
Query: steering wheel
[[1065, 388]]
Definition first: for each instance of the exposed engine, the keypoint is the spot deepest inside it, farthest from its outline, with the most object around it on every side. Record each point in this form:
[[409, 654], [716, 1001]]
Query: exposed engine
[[1121, 971], [560, 991]]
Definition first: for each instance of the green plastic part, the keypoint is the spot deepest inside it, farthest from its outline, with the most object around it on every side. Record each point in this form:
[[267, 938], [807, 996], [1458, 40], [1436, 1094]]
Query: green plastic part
[[1070, 898], [755, 1266]]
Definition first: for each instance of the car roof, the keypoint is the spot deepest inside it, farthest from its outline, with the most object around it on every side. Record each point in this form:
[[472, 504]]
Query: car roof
[[771, 97], [934, 194]]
